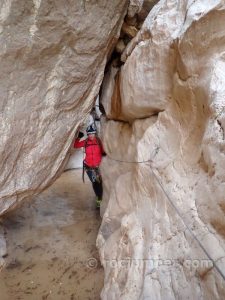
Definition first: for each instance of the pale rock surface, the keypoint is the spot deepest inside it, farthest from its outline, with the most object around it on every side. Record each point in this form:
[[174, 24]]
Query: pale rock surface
[[146, 7], [120, 46], [175, 69], [134, 7], [140, 7], [52, 60]]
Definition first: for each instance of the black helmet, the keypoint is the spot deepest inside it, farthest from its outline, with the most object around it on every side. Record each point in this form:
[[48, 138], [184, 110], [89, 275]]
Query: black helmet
[[91, 129]]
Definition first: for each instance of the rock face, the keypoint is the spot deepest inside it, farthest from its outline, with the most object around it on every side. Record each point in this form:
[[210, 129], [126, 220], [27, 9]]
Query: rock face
[[163, 221], [164, 184], [3, 250], [52, 60]]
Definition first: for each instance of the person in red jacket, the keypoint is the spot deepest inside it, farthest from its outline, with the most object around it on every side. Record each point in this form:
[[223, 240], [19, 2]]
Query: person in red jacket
[[93, 156]]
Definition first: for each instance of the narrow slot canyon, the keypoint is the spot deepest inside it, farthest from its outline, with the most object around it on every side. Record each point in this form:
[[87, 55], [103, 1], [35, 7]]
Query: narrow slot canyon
[[146, 78]]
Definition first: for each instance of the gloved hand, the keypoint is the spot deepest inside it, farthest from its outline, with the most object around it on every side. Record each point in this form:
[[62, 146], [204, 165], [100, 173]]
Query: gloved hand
[[80, 134]]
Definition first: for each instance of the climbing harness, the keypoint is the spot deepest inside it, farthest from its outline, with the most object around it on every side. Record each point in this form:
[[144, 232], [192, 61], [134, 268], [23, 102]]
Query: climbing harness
[[175, 208], [95, 173]]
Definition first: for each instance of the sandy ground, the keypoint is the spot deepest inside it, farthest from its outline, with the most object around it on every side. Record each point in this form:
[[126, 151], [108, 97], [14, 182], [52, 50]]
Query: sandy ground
[[51, 245]]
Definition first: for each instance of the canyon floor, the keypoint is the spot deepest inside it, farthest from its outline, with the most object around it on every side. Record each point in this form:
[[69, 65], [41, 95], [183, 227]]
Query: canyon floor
[[51, 245]]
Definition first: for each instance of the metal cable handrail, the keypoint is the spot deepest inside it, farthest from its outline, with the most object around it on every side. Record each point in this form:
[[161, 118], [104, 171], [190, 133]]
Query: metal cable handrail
[[177, 211]]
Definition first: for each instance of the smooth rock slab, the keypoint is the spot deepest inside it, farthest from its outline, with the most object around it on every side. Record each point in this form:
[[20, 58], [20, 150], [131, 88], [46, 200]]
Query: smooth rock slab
[[52, 59], [147, 246]]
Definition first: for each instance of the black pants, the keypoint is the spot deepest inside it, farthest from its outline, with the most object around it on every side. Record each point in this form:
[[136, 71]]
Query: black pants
[[96, 180]]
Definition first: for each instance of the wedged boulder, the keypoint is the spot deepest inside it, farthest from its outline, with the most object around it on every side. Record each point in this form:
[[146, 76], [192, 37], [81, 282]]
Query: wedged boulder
[[52, 60], [140, 8], [147, 89], [134, 7], [163, 226], [110, 94]]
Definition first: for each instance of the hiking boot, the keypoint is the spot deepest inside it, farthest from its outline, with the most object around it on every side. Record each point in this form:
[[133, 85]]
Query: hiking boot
[[98, 202]]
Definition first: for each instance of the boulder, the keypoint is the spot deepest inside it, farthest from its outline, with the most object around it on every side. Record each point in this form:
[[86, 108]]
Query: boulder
[[134, 7], [52, 59]]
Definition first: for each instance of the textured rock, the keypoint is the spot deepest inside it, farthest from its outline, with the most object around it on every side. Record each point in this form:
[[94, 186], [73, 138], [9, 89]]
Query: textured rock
[[175, 69], [110, 93], [140, 92], [120, 46], [52, 60], [146, 7], [131, 31], [134, 7], [3, 250]]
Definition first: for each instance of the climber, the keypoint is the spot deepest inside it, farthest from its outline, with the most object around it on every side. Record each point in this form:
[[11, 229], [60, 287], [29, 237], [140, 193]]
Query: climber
[[93, 155]]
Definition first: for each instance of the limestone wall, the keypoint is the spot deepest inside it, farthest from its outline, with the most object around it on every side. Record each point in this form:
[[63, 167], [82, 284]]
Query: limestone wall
[[170, 109], [52, 60], [164, 103]]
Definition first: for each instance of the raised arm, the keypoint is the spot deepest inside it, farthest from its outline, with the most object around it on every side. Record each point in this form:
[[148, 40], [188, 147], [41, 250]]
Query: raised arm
[[77, 142]]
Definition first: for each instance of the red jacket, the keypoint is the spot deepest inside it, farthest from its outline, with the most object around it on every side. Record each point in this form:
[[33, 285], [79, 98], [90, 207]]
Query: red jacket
[[93, 151]]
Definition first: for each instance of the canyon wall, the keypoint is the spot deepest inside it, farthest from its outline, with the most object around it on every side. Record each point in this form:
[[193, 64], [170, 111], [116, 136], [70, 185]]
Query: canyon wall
[[52, 60], [163, 222], [163, 208]]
